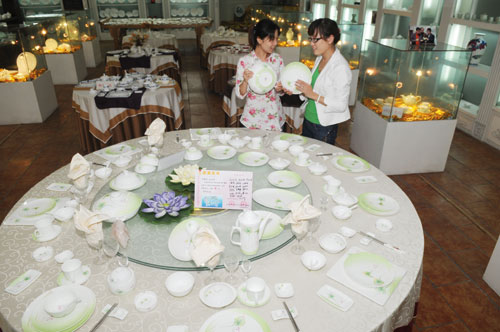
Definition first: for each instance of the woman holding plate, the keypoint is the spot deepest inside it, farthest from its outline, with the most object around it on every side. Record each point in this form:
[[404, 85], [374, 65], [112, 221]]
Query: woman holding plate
[[263, 106], [328, 93]]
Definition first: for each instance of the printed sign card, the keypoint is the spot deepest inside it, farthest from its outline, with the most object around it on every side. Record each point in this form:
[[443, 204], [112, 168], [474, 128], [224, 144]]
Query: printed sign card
[[223, 190]]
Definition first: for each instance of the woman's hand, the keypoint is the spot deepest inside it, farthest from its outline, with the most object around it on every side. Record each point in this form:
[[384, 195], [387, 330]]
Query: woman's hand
[[247, 75], [279, 88], [306, 89]]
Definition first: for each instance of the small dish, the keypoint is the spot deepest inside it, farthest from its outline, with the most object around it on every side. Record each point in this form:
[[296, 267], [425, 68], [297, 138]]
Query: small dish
[[179, 283], [150, 159], [64, 214], [295, 150], [144, 168], [122, 161], [344, 198], [280, 145], [60, 302], [43, 254], [283, 289], [332, 242], [218, 295], [341, 212], [103, 172], [64, 256], [384, 225], [193, 154], [347, 232], [303, 163], [145, 301], [279, 163], [313, 260], [317, 168], [238, 143]]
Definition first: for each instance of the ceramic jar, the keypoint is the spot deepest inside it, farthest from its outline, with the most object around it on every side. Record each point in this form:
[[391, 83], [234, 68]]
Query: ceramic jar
[[478, 47]]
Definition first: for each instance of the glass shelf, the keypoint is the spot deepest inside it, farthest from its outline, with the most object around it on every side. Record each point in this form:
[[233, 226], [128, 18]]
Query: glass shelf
[[149, 241]]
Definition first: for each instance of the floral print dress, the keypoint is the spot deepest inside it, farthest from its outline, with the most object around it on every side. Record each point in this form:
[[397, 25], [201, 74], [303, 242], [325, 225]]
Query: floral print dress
[[261, 111]]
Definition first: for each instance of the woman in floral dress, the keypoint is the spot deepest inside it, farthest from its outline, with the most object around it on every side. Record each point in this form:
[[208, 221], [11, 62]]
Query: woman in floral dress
[[262, 111]]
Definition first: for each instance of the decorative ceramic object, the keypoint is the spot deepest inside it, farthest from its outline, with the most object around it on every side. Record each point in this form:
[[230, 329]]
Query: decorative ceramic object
[[26, 62], [179, 283], [478, 47], [251, 228], [263, 79], [121, 280]]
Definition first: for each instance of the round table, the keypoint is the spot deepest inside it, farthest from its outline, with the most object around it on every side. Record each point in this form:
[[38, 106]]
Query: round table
[[17, 245]]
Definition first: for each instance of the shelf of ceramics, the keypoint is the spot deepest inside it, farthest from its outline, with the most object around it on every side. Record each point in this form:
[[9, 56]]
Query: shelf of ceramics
[[477, 24]]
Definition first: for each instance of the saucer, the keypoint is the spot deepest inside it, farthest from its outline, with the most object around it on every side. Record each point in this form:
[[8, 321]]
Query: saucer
[[251, 146], [332, 242], [145, 301], [307, 163], [210, 143], [62, 281], [43, 254], [52, 236], [243, 296], [217, 295]]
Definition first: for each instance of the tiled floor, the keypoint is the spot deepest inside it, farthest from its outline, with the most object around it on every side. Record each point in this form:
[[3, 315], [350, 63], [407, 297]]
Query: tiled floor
[[459, 208]]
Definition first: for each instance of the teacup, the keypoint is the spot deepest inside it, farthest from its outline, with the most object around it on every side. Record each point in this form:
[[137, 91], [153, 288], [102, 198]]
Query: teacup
[[45, 228], [103, 172], [333, 186], [255, 287], [256, 142], [295, 150], [72, 269], [60, 302], [205, 140], [483, 17], [303, 158]]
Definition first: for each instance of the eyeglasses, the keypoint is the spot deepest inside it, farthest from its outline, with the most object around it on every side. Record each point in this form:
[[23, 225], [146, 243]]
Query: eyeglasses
[[314, 40]]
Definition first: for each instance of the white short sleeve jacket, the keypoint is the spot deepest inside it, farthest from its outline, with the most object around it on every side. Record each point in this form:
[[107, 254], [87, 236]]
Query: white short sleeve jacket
[[333, 83]]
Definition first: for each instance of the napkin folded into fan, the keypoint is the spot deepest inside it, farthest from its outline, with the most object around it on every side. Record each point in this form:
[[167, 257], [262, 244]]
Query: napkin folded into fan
[[91, 224], [78, 170], [155, 132], [300, 213], [206, 246]]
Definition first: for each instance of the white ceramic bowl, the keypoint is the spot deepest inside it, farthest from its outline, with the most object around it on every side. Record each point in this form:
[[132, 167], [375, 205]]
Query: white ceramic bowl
[[341, 212], [122, 161], [179, 283], [313, 260], [150, 159], [332, 242], [296, 149], [317, 168], [103, 172], [280, 145], [238, 143], [60, 302], [64, 214], [279, 163]]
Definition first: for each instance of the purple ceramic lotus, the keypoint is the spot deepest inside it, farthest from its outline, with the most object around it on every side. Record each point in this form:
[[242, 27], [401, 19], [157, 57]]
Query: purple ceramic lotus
[[164, 203]]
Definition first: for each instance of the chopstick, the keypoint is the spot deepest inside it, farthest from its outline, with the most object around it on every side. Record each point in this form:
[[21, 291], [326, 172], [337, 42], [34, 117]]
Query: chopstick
[[291, 317], [323, 154], [104, 317], [390, 246], [99, 164]]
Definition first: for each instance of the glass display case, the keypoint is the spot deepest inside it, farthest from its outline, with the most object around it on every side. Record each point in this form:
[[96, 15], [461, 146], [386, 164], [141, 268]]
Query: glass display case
[[349, 45], [86, 26], [117, 8], [293, 26], [479, 10], [34, 7], [189, 8], [22, 56], [60, 35], [401, 84]]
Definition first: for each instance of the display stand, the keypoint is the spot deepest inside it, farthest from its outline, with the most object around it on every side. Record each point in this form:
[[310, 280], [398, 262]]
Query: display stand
[[492, 273], [354, 86], [92, 52], [27, 102], [67, 68], [401, 147]]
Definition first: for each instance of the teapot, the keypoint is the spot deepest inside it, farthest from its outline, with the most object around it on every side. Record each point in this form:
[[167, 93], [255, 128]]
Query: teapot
[[121, 280], [251, 227], [410, 99]]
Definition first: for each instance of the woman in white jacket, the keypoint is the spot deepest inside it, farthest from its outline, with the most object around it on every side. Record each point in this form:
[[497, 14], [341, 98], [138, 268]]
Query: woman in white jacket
[[328, 93]]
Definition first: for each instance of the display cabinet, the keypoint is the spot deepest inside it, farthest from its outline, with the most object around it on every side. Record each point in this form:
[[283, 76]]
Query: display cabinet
[[88, 35], [117, 8], [189, 8], [25, 83], [31, 8], [293, 31], [407, 104]]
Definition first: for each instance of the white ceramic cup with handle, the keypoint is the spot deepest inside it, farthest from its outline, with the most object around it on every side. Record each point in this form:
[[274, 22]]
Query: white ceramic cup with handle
[[255, 287], [44, 227], [72, 269]]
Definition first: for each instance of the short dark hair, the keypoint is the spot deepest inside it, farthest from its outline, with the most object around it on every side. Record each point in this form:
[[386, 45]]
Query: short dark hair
[[429, 29], [264, 28], [325, 27]]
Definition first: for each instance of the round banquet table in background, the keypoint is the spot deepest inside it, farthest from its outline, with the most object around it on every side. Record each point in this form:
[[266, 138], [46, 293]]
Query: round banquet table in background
[[210, 40], [16, 247], [156, 39], [221, 67]]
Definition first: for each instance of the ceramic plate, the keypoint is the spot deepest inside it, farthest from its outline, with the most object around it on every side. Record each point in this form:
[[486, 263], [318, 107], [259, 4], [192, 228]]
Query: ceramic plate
[[332, 242], [273, 226], [263, 79], [62, 281], [235, 320], [368, 270], [295, 71], [293, 139], [35, 319], [36, 207], [243, 296], [284, 179], [221, 152], [118, 204], [378, 204], [278, 199], [217, 295], [253, 158], [57, 231], [113, 184], [180, 237], [350, 164]]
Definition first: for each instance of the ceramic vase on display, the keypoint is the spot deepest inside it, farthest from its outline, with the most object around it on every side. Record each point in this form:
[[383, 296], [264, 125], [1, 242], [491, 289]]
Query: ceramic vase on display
[[289, 35], [353, 20], [478, 47]]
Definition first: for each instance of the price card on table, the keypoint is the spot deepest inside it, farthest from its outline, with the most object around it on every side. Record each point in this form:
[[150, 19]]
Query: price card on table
[[223, 190]]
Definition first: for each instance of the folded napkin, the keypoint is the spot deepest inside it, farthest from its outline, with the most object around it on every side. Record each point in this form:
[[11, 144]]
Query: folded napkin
[[78, 169], [155, 132], [91, 224], [205, 246], [120, 233], [300, 213]]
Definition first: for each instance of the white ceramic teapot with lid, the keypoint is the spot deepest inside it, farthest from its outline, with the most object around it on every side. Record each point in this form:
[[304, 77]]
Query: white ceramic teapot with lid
[[411, 100], [251, 228]]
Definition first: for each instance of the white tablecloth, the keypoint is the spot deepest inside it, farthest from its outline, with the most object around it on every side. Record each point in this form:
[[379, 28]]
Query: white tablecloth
[[16, 246], [156, 39], [208, 38], [159, 63]]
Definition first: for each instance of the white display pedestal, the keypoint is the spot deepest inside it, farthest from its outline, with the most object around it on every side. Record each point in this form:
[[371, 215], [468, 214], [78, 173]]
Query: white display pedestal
[[289, 54], [92, 52], [492, 273], [401, 147], [27, 102], [67, 68], [354, 86]]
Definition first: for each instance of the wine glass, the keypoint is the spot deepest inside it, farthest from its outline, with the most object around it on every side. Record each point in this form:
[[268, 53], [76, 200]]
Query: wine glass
[[297, 248], [312, 226], [211, 264], [324, 203], [246, 267], [231, 263], [108, 247]]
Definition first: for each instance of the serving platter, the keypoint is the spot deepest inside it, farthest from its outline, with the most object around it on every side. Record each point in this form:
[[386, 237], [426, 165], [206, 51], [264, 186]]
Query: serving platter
[[351, 163], [275, 198], [369, 270], [273, 226]]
